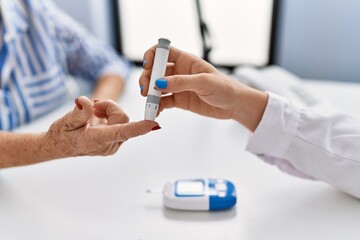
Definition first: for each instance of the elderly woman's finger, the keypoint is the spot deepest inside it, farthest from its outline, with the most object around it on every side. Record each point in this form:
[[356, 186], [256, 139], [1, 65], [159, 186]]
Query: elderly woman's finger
[[123, 132], [111, 111], [78, 117]]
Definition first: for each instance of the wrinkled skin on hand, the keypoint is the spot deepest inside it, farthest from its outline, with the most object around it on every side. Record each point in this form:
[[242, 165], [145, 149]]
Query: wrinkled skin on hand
[[80, 132]]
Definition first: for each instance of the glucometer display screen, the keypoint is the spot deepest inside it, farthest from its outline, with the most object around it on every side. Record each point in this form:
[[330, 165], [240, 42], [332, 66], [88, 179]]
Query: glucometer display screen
[[189, 188]]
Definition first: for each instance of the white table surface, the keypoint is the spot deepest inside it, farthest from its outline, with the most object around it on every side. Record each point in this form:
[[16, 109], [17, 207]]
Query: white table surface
[[104, 197]]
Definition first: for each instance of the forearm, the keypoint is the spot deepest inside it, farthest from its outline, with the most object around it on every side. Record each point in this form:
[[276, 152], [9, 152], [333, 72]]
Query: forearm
[[23, 149], [249, 106], [109, 87]]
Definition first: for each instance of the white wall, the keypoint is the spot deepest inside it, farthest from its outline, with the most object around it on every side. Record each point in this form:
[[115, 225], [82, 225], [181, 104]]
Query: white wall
[[321, 39]]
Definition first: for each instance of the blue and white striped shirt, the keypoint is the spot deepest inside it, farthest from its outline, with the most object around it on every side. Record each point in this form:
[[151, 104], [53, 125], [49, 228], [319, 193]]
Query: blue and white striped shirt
[[40, 48]]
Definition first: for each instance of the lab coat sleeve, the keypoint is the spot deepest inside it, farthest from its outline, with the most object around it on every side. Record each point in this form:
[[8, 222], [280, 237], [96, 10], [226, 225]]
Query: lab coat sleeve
[[86, 57], [309, 144]]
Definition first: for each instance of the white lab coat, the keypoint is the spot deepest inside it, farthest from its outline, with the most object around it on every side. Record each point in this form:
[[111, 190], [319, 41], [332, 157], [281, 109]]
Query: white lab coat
[[310, 145]]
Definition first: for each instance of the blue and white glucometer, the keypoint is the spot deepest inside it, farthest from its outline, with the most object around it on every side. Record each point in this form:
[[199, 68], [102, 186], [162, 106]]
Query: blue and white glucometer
[[203, 194]]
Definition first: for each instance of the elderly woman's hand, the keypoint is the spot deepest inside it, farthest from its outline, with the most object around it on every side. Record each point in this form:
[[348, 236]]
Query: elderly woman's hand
[[75, 135]]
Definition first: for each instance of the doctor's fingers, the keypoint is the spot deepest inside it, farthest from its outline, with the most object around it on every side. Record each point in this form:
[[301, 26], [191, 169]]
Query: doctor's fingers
[[184, 100], [167, 102], [184, 62], [199, 83], [149, 56], [111, 111], [122, 132], [144, 79]]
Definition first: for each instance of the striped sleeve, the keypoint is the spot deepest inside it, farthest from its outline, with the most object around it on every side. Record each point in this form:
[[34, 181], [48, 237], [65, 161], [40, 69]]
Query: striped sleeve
[[86, 57]]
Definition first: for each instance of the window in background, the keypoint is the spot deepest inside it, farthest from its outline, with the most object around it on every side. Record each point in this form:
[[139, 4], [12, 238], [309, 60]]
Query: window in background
[[240, 29], [143, 22]]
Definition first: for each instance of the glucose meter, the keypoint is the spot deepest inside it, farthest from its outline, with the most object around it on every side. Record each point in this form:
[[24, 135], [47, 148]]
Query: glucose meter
[[203, 194]]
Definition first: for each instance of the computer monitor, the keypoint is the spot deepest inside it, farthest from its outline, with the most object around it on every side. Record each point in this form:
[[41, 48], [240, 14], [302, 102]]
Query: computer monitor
[[241, 31]]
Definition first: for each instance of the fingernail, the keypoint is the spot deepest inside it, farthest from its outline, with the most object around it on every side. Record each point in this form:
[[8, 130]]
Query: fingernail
[[78, 104], [155, 128], [95, 101], [141, 88], [161, 83], [144, 63]]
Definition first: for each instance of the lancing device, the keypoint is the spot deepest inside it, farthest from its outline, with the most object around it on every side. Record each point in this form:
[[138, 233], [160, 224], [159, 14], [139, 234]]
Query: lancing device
[[158, 71]]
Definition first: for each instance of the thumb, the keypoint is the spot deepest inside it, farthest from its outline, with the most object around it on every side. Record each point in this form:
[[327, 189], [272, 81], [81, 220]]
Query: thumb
[[182, 83], [80, 115]]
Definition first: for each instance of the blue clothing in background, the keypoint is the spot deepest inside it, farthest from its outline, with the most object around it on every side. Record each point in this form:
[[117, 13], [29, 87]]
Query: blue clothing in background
[[43, 47], [3, 54]]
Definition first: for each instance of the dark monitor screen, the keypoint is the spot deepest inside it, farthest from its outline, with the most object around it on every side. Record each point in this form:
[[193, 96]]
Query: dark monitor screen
[[241, 31]]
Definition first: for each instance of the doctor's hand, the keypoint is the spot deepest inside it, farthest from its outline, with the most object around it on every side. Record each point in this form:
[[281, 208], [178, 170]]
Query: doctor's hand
[[199, 87], [75, 135]]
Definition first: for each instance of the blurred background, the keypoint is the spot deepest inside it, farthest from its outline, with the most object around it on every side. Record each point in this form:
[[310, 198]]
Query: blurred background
[[315, 39]]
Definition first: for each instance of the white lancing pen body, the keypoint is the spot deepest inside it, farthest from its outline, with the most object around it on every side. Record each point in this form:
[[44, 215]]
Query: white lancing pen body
[[158, 71]]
